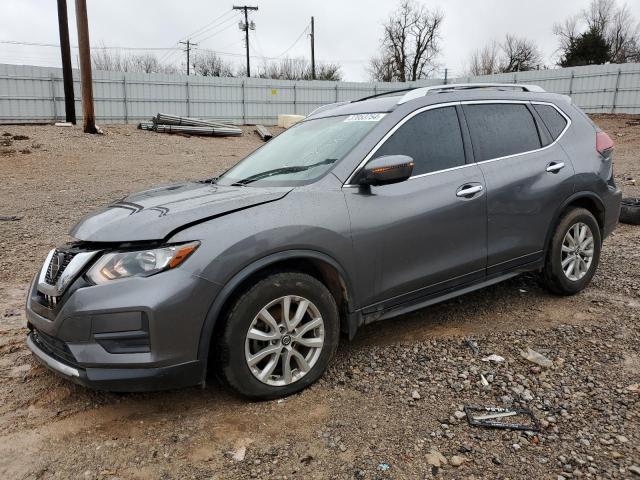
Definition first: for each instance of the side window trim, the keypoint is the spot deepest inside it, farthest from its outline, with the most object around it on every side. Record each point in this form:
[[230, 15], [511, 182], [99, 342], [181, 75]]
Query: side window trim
[[387, 135]]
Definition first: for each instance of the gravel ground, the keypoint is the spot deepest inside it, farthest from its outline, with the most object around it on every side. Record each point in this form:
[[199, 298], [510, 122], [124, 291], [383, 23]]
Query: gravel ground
[[390, 405]]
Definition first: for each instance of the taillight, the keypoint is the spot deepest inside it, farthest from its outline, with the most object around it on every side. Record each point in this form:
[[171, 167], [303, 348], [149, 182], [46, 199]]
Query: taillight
[[604, 144]]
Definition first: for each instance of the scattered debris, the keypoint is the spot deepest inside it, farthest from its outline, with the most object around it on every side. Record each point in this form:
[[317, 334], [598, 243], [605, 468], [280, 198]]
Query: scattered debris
[[457, 460], [240, 450], [488, 415], [239, 454], [63, 124], [415, 395], [472, 344], [383, 467], [484, 381], [11, 312], [10, 218], [436, 459], [20, 137], [537, 358], [286, 121], [7, 152], [493, 358], [264, 133], [165, 123]]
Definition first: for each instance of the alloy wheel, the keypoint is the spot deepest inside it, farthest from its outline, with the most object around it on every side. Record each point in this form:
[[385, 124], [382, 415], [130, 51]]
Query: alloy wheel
[[577, 251], [284, 340]]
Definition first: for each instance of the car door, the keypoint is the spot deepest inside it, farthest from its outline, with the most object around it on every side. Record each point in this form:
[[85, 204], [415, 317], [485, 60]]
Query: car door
[[528, 176], [428, 233]]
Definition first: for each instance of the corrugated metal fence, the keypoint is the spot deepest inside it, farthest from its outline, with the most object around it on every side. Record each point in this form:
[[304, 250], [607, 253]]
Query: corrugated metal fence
[[35, 94]]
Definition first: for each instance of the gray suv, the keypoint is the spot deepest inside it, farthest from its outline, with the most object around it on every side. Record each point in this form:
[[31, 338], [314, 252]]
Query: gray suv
[[364, 211]]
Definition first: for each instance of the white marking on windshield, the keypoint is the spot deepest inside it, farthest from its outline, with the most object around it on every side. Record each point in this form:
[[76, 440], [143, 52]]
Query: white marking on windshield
[[365, 117]]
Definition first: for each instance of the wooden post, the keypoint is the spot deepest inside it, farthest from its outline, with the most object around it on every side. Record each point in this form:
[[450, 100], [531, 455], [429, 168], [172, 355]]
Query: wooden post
[[88, 115], [67, 72]]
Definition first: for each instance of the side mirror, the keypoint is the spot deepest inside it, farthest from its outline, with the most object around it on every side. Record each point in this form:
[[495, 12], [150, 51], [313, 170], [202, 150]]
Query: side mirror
[[386, 170]]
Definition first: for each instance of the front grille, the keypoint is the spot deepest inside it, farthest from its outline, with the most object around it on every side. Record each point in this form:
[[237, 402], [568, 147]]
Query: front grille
[[59, 261], [53, 347]]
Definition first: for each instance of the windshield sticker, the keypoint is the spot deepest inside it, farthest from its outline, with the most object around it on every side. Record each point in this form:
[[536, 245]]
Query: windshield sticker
[[365, 117]]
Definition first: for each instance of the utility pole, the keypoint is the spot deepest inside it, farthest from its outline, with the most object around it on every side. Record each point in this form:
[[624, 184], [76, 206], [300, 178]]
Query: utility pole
[[67, 73], [188, 50], [313, 51], [246, 26], [88, 115]]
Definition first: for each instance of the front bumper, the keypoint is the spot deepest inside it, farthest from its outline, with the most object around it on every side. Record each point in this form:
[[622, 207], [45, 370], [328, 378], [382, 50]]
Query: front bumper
[[134, 334], [121, 379]]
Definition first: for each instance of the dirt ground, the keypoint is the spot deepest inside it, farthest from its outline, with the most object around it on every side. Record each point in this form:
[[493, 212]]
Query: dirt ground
[[389, 407]]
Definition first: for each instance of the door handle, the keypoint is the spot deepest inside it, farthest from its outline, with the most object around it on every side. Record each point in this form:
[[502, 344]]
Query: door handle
[[555, 167], [466, 191]]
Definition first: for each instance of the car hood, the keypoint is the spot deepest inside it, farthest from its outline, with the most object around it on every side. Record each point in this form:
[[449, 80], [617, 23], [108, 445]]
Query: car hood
[[157, 213]]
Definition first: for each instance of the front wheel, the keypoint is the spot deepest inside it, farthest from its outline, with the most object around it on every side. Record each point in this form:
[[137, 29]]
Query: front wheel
[[574, 252], [279, 336]]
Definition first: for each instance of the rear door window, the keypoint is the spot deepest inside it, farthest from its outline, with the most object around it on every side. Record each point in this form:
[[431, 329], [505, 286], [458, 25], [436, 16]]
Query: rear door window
[[501, 129], [552, 119], [432, 138]]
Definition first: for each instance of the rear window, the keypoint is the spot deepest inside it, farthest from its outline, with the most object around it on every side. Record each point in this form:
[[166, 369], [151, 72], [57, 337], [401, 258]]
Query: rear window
[[501, 129], [552, 119]]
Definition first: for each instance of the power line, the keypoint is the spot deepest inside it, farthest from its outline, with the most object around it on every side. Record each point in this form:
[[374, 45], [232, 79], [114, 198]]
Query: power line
[[208, 26], [173, 50], [227, 27], [35, 44], [306, 28]]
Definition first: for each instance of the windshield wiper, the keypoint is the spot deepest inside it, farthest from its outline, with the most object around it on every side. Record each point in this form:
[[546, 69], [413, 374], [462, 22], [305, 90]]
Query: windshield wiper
[[282, 171], [211, 180]]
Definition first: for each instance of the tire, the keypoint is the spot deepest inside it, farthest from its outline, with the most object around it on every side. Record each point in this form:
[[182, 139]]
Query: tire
[[554, 277], [236, 347], [630, 211]]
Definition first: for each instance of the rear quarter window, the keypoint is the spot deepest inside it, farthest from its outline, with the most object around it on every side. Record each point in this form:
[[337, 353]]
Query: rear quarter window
[[553, 120], [501, 129]]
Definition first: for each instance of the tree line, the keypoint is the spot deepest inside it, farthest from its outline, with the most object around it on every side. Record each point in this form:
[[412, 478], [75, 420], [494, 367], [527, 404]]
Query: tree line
[[411, 43], [207, 63]]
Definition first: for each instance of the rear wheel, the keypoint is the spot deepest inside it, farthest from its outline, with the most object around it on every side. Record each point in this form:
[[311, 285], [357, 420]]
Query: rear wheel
[[279, 336], [573, 254]]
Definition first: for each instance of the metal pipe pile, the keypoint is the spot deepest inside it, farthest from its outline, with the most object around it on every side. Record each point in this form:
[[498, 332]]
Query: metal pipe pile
[[165, 123]]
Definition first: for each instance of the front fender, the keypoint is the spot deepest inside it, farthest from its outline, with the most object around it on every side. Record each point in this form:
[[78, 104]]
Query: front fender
[[230, 287]]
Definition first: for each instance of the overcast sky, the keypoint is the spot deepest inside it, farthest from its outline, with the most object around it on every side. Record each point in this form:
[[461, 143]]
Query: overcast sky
[[347, 32]]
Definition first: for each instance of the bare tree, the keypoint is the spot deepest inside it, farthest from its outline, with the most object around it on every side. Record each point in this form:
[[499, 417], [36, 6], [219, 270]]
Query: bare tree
[[210, 64], [603, 18], [623, 35], [114, 61], [484, 61], [299, 69], [519, 55], [410, 45]]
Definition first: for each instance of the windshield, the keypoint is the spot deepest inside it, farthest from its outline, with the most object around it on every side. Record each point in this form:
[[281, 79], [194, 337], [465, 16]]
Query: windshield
[[301, 154]]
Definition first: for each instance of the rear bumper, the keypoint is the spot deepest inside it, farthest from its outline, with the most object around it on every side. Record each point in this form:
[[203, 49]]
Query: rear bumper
[[120, 379], [612, 212]]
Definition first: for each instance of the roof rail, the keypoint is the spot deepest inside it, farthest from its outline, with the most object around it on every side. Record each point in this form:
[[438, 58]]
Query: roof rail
[[422, 91]]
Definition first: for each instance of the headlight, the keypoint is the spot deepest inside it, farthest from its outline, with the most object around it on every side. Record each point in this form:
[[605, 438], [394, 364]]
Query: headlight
[[116, 265]]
